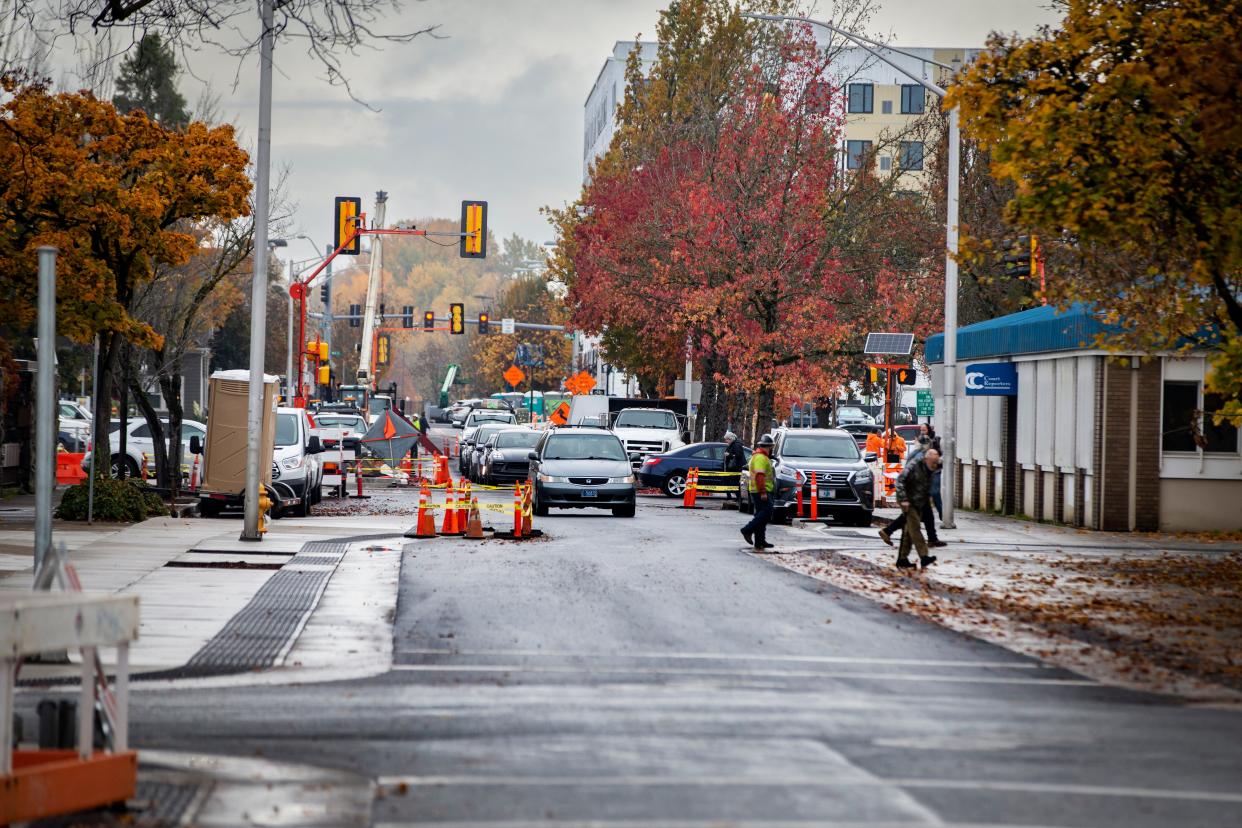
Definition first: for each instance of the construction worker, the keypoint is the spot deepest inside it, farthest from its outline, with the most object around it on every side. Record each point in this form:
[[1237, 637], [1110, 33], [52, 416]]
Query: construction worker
[[760, 486], [896, 447]]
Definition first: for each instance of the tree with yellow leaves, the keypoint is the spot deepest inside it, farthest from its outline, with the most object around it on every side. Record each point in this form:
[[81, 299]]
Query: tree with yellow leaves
[[1122, 133]]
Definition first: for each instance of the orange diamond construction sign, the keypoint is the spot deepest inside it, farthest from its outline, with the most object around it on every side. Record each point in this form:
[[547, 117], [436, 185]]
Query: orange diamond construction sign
[[514, 375], [580, 383]]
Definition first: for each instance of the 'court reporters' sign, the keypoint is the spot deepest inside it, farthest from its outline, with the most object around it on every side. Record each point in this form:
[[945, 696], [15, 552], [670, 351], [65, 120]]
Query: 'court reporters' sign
[[992, 379]]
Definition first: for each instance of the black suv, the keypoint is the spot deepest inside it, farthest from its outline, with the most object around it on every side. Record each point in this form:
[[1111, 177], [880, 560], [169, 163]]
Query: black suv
[[846, 487]]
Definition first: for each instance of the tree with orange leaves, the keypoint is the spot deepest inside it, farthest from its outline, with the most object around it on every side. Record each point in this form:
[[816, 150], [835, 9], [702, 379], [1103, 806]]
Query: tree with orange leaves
[[116, 195]]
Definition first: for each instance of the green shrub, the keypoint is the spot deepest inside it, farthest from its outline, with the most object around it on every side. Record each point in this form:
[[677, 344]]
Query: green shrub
[[126, 501]]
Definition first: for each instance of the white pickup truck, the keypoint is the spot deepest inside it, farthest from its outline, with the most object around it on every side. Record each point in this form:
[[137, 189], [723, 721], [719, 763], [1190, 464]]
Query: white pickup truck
[[647, 431]]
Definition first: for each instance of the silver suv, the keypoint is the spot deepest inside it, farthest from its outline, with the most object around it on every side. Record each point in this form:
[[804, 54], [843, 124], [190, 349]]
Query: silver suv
[[846, 487]]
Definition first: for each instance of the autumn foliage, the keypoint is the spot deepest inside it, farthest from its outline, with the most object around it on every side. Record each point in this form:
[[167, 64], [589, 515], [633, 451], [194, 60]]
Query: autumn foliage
[[748, 240]]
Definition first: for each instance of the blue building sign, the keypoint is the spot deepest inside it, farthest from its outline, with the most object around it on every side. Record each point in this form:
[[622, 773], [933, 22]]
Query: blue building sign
[[992, 379]]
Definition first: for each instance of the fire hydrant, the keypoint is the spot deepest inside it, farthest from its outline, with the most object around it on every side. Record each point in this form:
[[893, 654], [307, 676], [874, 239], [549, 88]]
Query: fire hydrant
[[264, 505]]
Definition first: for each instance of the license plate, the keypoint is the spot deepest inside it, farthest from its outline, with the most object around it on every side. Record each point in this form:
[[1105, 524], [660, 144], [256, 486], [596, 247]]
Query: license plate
[[590, 492], [829, 494]]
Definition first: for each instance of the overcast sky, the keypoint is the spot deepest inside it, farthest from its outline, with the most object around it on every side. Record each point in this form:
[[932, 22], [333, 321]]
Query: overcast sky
[[494, 110]]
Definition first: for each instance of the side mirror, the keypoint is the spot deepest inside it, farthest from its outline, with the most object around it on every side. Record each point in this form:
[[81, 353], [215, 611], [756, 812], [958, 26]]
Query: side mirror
[[314, 446], [870, 457], [196, 445], [635, 456], [534, 455]]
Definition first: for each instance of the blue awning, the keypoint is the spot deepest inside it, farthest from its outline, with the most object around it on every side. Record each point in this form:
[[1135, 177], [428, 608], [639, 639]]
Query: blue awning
[[1033, 331]]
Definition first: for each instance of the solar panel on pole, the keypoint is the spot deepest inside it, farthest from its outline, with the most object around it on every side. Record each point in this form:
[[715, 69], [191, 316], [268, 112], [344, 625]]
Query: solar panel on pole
[[889, 343]]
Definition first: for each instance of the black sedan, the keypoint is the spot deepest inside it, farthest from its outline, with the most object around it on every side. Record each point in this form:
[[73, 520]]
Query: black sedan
[[667, 472]]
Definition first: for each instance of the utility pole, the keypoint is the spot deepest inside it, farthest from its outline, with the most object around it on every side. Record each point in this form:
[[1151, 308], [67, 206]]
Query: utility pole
[[373, 280], [258, 285], [327, 318], [45, 415]]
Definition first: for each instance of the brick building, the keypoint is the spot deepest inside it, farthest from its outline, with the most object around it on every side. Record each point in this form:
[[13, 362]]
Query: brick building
[[1053, 428]]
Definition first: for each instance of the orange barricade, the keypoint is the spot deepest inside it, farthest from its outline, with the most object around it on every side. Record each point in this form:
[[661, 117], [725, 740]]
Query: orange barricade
[[528, 507], [691, 493], [69, 468], [799, 499], [518, 504]]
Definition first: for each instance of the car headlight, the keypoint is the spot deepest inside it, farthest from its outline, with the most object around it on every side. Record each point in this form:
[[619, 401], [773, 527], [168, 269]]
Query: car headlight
[[550, 478], [497, 455], [292, 462], [862, 477], [629, 478], [790, 475]]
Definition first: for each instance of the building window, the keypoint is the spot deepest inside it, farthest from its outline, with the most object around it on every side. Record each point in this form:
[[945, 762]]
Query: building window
[[860, 97], [855, 151], [1223, 437], [886, 107], [886, 163], [913, 99], [910, 155], [1181, 409]]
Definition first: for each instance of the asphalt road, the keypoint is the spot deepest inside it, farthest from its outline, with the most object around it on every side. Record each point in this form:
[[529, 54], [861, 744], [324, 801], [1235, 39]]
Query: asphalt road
[[650, 671]]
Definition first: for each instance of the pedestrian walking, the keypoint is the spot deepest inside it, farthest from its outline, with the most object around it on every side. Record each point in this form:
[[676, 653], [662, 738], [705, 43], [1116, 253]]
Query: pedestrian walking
[[760, 485], [935, 443], [734, 459], [913, 493], [929, 522]]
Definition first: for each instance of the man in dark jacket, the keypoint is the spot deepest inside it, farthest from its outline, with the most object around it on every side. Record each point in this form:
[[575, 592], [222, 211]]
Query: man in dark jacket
[[929, 522], [734, 459], [914, 491]]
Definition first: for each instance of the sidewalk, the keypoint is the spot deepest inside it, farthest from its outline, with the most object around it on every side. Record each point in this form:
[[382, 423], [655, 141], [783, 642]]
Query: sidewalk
[[1155, 612], [194, 578]]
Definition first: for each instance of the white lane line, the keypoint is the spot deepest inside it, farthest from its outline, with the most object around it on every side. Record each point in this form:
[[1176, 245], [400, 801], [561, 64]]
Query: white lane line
[[1051, 788], [728, 673], [694, 823], [804, 659]]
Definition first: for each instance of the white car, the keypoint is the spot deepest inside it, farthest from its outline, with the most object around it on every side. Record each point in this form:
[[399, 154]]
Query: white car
[[75, 420], [139, 445], [297, 473], [853, 415]]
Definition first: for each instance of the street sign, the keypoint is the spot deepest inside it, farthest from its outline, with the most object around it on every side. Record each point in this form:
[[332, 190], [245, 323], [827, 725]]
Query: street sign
[[514, 376], [506, 326], [580, 383], [992, 379], [924, 403]]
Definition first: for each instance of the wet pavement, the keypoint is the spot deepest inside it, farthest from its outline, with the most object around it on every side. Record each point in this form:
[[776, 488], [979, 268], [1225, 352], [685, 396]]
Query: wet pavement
[[651, 671]]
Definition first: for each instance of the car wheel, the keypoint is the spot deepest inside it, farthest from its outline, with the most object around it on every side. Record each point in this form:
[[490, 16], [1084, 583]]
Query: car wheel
[[131, 467], [539, 507], [781, 517], [623, 511], [208, 509], [674, 485]]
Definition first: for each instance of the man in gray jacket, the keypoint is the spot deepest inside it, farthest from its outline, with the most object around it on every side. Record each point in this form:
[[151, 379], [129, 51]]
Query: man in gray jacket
[[914, 491]]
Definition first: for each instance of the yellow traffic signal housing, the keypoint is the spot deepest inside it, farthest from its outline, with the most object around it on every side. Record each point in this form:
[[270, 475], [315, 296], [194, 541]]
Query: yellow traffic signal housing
[[474, 230], [312, 350], [457, 318], [874, 373], [325, 375], [323, 352], [348, 208], [381, 349]]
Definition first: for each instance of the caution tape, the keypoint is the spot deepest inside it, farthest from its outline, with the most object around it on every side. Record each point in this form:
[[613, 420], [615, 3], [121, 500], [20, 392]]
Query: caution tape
[[717, 473], [483, 507]]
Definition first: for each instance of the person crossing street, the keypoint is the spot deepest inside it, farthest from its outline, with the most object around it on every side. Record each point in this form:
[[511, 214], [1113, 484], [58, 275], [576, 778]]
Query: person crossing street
[[914, 486], [761, 484], [734, 459]]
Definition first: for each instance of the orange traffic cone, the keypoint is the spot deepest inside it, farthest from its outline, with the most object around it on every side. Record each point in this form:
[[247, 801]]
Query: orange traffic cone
[[449, 525], [528, 507], [814, 498], [463, 506], [442, 471], [425, 527], [691, 494], [799, 500], [474, 525], [518, 508], [194, 475]]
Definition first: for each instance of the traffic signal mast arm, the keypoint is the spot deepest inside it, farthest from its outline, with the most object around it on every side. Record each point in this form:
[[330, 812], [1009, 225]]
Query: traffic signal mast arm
[[300, 288]]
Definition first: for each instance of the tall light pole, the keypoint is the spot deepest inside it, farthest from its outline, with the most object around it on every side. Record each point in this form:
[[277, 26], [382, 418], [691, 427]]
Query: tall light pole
[[948, 440], [258, 286]]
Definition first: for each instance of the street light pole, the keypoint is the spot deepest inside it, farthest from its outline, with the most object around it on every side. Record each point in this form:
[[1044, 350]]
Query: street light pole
[[948, 442], [258, 285], [289, 342]]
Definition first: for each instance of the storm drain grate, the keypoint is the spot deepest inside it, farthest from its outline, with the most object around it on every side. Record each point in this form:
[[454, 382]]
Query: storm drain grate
[[255, 637]]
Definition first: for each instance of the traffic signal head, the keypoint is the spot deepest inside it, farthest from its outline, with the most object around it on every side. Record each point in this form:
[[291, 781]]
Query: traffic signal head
[[473, 243], [484, 322], [429, 320], [312, 349], [323, 352], [905, 376], [1018, 257], [457, 318], [355, 316], [346, 221], [407, 316], [873, 374], [325, 294], [325, 375], [381, 349]]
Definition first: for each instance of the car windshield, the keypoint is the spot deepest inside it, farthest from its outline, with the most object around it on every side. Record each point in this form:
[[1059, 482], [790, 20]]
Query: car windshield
[[286, 429], [583, 447], [850, 411], [646, 419], [480, 436], [827, 446], [517, 439], [489, 417], [338, 421]]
